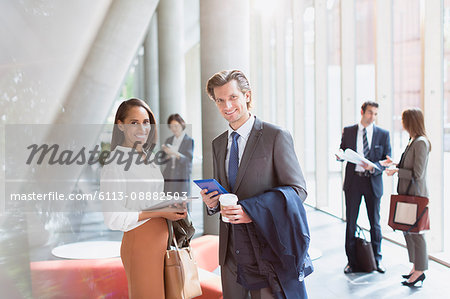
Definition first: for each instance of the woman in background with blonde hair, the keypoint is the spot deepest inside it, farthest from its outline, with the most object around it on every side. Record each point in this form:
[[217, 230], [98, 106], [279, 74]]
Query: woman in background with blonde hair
[[412, 172]]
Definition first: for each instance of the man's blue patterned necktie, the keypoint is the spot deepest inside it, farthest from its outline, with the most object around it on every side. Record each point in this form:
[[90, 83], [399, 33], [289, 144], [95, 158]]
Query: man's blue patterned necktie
[[365, 144], [233, 163]]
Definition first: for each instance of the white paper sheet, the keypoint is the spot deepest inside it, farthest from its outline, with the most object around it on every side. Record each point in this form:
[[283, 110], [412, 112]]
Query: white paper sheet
[[351, 156]]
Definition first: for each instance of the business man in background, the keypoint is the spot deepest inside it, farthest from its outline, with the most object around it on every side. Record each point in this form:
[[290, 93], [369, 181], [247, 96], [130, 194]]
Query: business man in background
[[249, 158], [373, 143]]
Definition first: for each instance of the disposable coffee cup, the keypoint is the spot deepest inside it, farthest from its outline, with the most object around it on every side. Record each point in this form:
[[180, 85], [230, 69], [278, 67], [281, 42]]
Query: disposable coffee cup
[[227, 199]]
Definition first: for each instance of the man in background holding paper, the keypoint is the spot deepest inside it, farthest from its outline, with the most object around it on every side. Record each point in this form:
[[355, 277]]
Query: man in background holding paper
[[364, 179]]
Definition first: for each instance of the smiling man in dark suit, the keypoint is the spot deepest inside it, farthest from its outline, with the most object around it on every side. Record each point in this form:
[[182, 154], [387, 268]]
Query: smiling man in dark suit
[[373, 143], [249, 158]]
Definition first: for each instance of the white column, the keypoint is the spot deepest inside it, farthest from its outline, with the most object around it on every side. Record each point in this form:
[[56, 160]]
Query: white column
[[266, 68], [434, 118], [225, 44], [384, 63], [256, 61], [139, 75], [2, 172], [107, 62], [280, 48], [171, 58], [348, 62], [99, 79], [384, 86], [151, 67], [299, 79], [321, 90], [348, 69]]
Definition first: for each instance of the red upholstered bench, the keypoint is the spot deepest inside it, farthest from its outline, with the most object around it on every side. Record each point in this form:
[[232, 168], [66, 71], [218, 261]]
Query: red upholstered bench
[[105, 278], [206, 251], [102, 278], [211, 285]]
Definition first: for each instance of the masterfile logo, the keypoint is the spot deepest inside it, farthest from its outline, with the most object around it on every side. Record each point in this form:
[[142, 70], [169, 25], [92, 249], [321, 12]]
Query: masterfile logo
[[57, 168]]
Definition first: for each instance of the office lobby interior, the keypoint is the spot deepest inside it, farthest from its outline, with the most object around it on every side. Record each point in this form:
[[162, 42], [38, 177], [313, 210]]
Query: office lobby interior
[[66, 66]]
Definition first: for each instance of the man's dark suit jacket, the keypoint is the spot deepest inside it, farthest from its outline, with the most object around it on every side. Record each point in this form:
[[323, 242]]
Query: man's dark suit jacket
[[380, 147], [268, 161]]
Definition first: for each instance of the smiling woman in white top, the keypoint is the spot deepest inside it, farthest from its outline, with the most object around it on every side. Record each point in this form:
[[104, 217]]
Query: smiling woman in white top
[[145, 233]]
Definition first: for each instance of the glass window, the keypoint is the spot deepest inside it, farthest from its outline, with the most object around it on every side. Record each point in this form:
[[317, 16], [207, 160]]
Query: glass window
[[408, 72], [408, 78], [446, 73], [365, 53], [310, 157]]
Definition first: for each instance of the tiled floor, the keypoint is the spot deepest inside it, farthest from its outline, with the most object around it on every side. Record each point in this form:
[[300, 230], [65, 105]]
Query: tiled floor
[[329, 281]]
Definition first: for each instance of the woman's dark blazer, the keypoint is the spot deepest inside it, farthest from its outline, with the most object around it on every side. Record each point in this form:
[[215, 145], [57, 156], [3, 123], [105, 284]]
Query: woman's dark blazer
[[177, 179]]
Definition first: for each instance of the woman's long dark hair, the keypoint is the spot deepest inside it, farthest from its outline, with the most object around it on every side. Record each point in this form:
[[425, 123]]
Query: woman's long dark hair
[[176, 117], [121, 114], [414, 123]]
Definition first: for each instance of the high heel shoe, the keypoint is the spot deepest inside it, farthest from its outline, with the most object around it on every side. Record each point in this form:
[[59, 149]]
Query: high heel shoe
[[406, 276], [412, 284]]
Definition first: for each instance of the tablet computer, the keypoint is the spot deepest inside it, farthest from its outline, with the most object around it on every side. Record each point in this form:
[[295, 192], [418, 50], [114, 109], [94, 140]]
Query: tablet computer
[[210, 184]]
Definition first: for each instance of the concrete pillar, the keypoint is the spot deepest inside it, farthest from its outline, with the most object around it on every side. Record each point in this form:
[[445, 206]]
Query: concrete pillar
[[139, 75], [222, 47], [107, 62], [264, 99], [385, 86], [151, 67], [434, 119], [280, 69], [298, 10], [321, 102], [348, 71], [171, 58]]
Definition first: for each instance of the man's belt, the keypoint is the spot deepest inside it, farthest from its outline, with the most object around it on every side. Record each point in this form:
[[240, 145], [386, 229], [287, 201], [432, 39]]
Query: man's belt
[[364, 174]]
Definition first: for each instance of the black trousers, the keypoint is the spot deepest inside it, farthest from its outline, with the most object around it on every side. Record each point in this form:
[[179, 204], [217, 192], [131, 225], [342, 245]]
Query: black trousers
[[230, 288], [362, 187]]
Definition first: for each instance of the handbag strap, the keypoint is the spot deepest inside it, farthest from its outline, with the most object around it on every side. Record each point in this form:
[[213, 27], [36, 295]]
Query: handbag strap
[[417, 220], [411, 182], [402, 159], [400, 165], [360, 230], [172, 238], [170, 229]]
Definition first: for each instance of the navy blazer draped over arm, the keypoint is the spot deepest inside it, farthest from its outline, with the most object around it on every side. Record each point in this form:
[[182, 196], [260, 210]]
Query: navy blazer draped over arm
[[280, 218]]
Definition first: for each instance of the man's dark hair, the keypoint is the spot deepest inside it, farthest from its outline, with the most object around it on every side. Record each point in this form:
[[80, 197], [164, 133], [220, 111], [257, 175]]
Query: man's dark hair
[[368, 103]]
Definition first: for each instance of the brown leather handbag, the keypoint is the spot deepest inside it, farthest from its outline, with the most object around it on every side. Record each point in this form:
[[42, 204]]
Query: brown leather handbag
[[409, 213], [180, 272]]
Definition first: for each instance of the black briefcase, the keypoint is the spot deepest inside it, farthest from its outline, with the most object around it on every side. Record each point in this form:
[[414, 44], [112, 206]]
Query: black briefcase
[[364, 253]]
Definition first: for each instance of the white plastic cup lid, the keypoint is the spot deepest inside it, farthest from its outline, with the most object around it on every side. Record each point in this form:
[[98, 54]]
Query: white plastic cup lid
[[228, 199]]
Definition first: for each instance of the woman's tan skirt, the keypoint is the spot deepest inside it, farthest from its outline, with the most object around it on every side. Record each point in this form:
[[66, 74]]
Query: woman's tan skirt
[[142, 253]]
